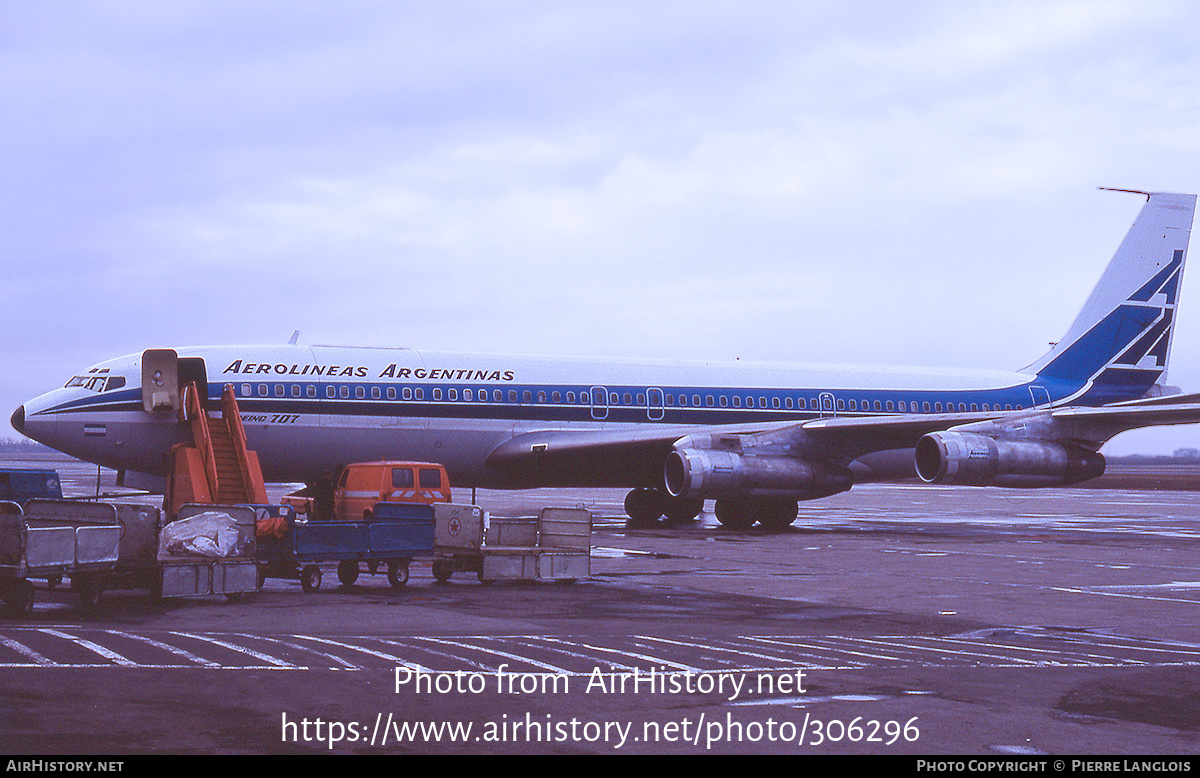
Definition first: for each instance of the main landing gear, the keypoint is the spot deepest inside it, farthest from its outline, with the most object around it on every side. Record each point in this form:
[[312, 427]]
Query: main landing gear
[[774, 515], [645, 506]]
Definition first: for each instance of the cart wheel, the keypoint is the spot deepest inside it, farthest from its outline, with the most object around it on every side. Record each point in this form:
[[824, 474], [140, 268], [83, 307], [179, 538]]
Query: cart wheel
[[397, 573], [310, 578], [442, 571], [90, 594], [19, 599], [348, 571]]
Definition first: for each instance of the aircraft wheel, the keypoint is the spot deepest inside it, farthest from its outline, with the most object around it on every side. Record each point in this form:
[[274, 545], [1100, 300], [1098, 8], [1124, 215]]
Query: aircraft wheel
[[398, 573], [442, 571], [681, 510], [310, 578], [348, 571], [644, 507], [777, 515], [735, 514]]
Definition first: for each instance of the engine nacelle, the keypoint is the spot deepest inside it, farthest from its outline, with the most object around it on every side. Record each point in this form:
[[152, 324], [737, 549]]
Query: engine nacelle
[[971, 459], [703, 473]]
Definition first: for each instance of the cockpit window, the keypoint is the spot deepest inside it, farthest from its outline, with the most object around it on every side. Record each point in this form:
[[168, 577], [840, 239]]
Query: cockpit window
[[93, 383], [96, 380]]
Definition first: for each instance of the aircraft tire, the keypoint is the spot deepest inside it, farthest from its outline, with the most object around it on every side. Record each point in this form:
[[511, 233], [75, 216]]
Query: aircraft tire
[[681, 510], [735, 514], [777, 515], [347, 571], [442, 571], [644, 507]]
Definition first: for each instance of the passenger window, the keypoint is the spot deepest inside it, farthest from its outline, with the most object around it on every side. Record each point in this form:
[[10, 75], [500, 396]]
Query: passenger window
[[431, 478], [279, 390], [391, 393], [312, 391], [437, 393], [468, 395], [452, 394], [360, 392], [245, 390], [402, 478], [344, 391], [330, 392], [375, 393]]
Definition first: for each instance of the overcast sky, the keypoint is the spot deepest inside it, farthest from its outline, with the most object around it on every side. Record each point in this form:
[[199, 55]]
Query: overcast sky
[[876, 182]]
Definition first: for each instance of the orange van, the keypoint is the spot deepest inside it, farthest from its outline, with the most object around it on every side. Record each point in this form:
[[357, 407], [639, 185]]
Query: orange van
[[366, 483]]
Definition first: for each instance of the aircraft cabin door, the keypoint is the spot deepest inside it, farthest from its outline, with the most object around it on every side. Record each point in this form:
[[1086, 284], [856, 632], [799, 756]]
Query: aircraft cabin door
[[160, 380], [599, 402], [828, 408]]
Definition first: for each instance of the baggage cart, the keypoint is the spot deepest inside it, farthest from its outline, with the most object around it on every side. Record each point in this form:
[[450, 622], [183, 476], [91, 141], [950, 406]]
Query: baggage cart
[[196, 568], [554, 546], [395, 534], [50, 539]]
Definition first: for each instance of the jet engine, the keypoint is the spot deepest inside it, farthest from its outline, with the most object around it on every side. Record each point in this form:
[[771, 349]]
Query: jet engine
[[971, 459], [697, 473]]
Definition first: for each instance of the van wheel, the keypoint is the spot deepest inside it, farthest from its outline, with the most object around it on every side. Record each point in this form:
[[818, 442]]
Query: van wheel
[[368, 516]]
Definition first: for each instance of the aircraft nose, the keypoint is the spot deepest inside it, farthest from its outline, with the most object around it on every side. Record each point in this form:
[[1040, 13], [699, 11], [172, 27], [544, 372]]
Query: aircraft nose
[[18, 420]]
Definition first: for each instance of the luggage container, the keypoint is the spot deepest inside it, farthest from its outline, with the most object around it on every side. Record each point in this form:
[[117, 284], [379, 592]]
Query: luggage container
[[50, 539], [554, 546], [213, 553]]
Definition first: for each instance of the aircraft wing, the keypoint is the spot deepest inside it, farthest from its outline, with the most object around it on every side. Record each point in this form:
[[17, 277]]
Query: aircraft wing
[[608, 456]]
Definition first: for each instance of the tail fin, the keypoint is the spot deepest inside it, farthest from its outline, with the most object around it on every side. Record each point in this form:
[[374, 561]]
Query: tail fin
[[1119, 345]]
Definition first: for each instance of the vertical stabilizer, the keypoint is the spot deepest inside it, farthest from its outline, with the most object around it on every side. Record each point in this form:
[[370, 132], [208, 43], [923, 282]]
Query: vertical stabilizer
[[1120, 343]]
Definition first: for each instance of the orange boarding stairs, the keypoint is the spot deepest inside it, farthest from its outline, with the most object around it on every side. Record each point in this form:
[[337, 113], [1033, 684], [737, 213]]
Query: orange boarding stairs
[[216, 468]]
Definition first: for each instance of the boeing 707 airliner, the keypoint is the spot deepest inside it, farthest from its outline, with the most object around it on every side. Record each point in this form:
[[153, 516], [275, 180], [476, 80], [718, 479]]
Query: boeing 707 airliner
[[756, 438]]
